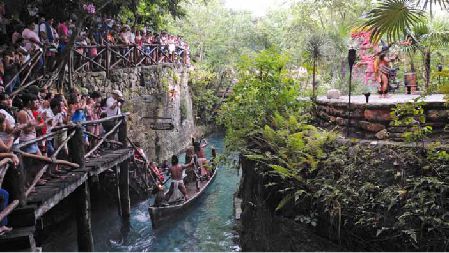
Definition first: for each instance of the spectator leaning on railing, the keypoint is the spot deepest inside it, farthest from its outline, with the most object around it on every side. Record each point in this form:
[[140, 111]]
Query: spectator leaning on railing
[[4, 195]]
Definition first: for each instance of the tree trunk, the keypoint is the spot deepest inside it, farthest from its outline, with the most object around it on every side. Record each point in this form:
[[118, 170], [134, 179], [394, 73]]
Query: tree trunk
[[412, 66], [431, 11], [314, 80], [427, 58]]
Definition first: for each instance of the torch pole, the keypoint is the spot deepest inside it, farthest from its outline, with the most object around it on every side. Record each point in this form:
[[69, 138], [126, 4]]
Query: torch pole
[[349, 102], [351, 60]]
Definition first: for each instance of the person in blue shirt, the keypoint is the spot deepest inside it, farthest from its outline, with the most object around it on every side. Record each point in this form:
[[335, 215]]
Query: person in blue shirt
[[77, 108]]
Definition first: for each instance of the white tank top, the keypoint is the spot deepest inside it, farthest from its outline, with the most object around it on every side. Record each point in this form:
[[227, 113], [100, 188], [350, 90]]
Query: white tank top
[[28, 136]]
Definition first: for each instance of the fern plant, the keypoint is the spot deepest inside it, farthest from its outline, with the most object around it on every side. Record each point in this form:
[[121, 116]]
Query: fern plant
[[412, 116]]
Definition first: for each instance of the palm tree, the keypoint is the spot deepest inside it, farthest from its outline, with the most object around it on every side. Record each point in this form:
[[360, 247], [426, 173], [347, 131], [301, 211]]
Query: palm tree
[[392, 18], [315, 52], [429, 36], [396, 19]]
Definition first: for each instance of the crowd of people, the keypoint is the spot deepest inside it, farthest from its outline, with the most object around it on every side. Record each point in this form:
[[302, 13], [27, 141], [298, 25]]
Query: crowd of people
[[21, 40], [36, 45], [37, 112]]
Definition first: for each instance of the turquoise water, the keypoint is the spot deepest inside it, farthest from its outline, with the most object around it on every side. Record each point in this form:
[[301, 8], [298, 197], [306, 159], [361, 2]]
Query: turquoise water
[[208, 225]]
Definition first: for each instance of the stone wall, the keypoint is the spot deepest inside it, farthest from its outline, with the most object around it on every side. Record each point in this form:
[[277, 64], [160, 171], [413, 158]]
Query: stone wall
[[373, 121], [150, 92]]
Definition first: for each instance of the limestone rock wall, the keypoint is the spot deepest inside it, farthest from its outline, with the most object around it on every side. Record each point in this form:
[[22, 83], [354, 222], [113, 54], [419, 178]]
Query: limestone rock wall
[[154, 94], [264, 230], [372, 121]]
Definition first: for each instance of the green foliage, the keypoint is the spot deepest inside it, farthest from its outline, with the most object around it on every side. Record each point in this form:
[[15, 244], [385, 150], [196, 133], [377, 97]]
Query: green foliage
[[165, 82], [204, 99], [399, 206], [437, 154], [292, 150], [412, 116], [151, 12], [392, 18], [264, 89], [217, 36]]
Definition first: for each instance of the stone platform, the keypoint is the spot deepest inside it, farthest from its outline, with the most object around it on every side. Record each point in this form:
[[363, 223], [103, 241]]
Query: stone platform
[[372, 120]]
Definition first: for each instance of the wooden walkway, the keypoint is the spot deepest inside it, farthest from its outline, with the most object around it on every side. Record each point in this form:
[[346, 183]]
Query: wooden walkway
[[36, 200], [54, 191]]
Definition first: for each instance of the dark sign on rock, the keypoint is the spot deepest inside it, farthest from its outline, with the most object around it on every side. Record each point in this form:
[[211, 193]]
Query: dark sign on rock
[[162, 126]]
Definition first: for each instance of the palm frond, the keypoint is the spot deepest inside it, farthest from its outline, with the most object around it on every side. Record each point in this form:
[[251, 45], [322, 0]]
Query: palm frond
[[437, 39], [428, 3], [431, 35], [392, 18]]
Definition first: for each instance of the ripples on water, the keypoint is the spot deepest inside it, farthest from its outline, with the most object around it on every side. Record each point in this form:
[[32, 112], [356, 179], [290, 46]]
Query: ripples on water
[[208, 225]]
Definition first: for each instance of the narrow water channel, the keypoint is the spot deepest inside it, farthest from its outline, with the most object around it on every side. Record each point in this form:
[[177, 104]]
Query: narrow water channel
[[207, 226]]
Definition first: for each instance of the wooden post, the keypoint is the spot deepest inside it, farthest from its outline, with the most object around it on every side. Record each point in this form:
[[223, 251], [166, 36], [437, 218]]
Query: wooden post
[[107, 60], [76, 147], [117, 180], [123, 133], [14, 182], [124, 172], [136, 56], [124, 189], [83, 221], [70, 67], [82, 194]]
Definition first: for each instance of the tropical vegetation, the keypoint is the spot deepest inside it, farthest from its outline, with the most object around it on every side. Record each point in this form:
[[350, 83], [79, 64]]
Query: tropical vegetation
[[386, 199]]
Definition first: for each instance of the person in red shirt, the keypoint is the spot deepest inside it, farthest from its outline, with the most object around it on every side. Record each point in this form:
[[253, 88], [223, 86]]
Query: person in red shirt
[[63, 32], [156, 171]]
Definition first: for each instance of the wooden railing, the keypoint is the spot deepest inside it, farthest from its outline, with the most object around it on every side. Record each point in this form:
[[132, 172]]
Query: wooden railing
[[5, 164], [74, 142], [24, 73], [110, 57]]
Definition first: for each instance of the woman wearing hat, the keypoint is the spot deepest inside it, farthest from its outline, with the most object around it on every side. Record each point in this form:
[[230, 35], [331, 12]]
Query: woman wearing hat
[[113, 105]]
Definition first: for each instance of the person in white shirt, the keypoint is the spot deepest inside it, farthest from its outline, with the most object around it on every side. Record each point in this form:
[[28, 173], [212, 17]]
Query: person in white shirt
[[113, 103], [40, 29], [6, 109]]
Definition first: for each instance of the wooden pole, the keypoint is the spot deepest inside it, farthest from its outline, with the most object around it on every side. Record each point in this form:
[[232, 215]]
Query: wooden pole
[[3, 169], [83, 220], [124, 172], [136, 56], [107, 62], [15, 182], [104, 138], [124, 189], [117, 180], [8, 209], [19, 185], [76, 147], [49, 160], [82, 194]]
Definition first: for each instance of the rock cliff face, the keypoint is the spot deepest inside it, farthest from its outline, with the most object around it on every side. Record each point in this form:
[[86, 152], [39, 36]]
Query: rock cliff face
[[378, 184], [155, 94], [261, 229]]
